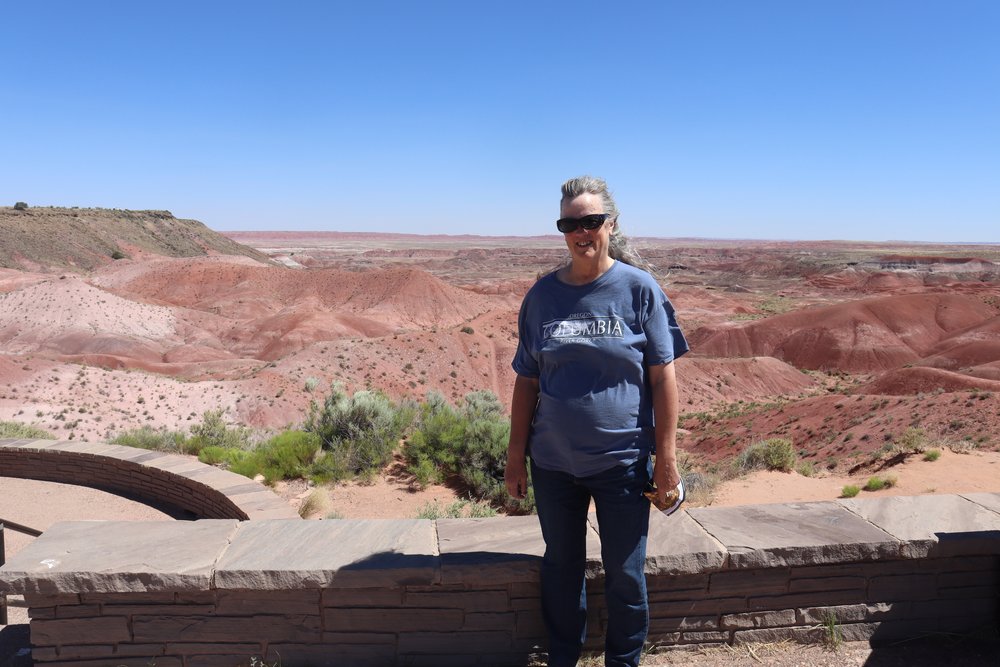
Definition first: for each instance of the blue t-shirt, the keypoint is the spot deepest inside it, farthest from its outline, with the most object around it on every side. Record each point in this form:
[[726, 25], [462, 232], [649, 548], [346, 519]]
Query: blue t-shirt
[[589, 347]]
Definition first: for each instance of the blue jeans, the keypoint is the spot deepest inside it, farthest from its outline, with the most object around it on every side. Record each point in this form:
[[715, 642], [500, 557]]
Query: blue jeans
[[562, 501]]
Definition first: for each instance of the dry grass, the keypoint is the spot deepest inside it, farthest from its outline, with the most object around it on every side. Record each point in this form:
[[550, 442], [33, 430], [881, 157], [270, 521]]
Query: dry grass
[[315, 503]]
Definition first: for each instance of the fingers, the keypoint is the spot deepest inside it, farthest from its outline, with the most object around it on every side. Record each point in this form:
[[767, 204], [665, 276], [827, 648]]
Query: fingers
[[516, 480]]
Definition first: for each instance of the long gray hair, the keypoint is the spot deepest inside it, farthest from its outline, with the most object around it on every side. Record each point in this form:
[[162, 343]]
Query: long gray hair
[[618, 245]]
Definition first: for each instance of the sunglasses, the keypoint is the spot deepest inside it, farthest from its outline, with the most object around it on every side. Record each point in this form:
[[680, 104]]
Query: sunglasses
[[588, 222]]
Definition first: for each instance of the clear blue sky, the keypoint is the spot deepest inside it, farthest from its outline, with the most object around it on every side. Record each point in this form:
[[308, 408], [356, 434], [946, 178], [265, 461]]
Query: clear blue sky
[[805, 119]]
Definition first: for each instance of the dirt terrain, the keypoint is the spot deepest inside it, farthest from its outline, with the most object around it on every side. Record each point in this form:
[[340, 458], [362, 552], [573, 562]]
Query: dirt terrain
[[840, 347]]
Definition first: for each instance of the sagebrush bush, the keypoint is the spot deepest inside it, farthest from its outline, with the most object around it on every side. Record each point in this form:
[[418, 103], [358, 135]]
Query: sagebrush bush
[[459, 509], [213, 432], [806, 468], [19, 430], [359, 432], [772, 454], [849, 491], [913, 440], [469, 442], [147, 437]]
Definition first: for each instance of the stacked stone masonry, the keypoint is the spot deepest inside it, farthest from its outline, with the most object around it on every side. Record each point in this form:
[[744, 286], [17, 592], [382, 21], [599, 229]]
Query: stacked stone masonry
[[465, 591]]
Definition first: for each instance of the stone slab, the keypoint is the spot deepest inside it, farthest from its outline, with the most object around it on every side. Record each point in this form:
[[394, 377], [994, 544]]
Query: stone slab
[[119, 556], [677, 544], [791, 534], [76, 446], [176, 464], [264, 504], [62, 445], [486, 551], [932, 525], [990, 501], [293, 554]]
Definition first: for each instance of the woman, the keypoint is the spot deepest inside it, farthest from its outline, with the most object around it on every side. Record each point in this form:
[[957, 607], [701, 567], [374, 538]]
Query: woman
[[594, 363]]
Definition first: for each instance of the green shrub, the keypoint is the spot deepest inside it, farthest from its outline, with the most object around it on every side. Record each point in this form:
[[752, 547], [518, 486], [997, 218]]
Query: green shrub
[[480, 510], [327, 467], [19, 430], [913, 440], [806, 468], [20, 206], [212, 455], [458, 509], [360, 432], [469, 442], [932, 455], [431, 510], [288, 455], [849, 491], [213, 432], [117, 254], [877, 483], [773, 454], [147, 437], [467, 330], [425, 473], [833, 636]]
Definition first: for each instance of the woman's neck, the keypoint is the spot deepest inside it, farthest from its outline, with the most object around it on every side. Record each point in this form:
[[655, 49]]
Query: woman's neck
[[580, 272]]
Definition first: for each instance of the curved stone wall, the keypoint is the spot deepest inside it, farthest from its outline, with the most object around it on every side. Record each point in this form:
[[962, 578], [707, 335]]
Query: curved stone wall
[[181, 482], [465, 591]]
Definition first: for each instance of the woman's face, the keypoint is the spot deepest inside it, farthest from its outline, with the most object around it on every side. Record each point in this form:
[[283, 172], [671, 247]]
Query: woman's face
[[586, 244]]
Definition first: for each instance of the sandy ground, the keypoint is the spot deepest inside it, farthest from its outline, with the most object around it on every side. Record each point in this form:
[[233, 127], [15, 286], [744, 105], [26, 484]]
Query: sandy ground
[[952, 473]]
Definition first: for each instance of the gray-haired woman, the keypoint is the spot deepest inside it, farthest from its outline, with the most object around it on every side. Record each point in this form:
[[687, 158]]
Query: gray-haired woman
[[595, 396]]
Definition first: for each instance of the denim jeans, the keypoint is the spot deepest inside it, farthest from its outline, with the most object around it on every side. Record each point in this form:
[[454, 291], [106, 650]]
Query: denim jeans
[[562, 501]]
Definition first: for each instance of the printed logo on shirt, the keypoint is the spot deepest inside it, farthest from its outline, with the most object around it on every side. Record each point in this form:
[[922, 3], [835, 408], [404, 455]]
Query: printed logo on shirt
[[584, 326]]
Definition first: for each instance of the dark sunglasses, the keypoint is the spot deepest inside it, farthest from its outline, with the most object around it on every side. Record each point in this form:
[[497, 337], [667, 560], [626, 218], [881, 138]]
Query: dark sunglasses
[[588, 222]]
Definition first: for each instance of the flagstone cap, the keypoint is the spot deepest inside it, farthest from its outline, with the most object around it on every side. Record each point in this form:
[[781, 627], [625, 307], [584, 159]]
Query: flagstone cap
[[482, 551], [225, 554], [119, 556], [790, 534], [936, 525], [289, 555]]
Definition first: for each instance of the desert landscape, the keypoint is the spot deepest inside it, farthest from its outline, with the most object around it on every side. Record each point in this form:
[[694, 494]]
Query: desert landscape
[[867, 360], [861, 355]]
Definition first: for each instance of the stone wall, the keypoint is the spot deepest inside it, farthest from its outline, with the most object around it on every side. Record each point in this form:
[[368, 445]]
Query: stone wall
[[178, 482], [465, 591]]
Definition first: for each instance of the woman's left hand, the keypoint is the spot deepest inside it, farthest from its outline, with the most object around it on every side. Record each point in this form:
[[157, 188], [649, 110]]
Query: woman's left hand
[[666, 477]]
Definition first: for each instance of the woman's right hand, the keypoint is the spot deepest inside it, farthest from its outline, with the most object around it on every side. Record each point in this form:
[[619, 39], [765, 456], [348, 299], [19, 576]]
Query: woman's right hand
[[522, 410], [516, 477]]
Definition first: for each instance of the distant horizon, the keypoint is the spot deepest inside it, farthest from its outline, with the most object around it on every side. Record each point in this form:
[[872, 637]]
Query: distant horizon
[[555, 235], [724, 120], [558, 237]]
